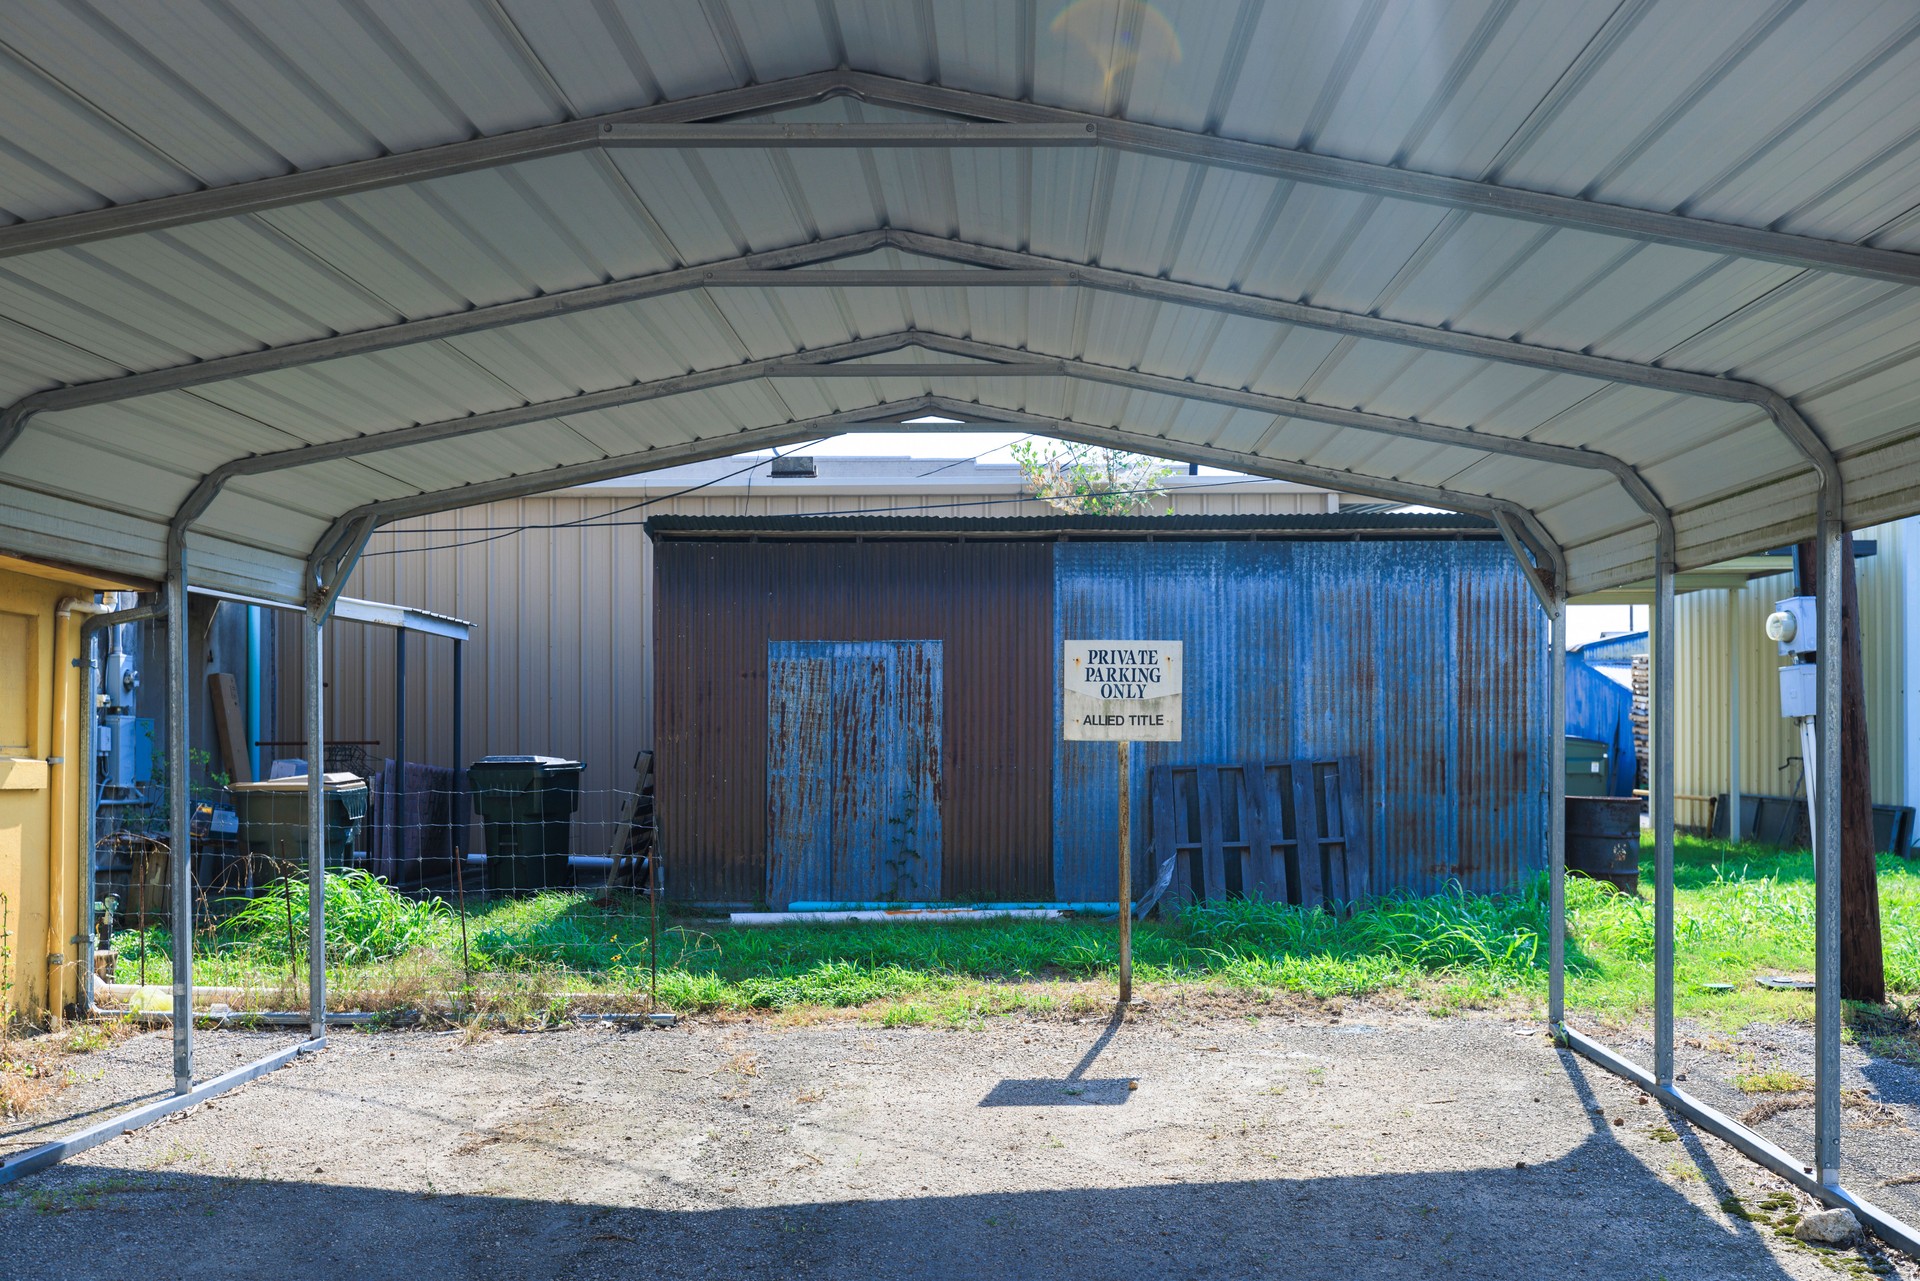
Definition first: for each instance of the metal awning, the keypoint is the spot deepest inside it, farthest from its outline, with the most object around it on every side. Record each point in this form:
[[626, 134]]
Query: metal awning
[[352, 609], [279, 275]]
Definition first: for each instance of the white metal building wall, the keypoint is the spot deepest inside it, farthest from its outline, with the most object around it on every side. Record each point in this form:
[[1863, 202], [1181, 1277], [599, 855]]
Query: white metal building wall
[[561, 657], [1709, 623]]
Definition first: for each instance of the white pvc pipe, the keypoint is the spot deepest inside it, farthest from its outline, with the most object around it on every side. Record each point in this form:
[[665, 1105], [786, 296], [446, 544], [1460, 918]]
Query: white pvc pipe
[[907, 914]]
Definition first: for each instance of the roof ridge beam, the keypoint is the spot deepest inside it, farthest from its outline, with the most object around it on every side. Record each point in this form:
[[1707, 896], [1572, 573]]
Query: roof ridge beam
[[1546, 208]]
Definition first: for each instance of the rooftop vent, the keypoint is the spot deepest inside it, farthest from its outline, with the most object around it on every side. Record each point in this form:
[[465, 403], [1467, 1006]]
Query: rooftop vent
[[794, 466]]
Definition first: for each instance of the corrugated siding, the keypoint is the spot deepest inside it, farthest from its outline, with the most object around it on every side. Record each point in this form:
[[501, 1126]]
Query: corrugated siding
[[1601, 709], [561, 660], [1426, 661], [1709, 623], [721, 602]]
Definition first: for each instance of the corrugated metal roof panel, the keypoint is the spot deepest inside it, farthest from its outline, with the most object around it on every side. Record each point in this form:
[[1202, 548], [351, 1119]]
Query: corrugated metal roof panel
[[1768, 118]]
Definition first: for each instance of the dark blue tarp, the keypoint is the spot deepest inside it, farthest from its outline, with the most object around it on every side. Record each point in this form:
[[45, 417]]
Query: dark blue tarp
[[1602, 709]]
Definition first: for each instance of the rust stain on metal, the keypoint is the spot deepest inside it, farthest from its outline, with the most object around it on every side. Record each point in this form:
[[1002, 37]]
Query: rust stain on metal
[[720, 601]]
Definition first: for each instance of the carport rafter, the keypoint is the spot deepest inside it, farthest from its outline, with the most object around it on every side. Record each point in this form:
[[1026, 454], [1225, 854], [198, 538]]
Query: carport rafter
[[214, 481], [1335, 416], [988, 360], [361, 342], [968, 120], [1546, 551], [351, 529], [986, 267]]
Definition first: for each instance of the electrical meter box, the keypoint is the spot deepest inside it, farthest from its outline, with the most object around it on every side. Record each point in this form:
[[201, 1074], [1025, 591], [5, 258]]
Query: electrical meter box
[[1794, 626], [1800, 690]]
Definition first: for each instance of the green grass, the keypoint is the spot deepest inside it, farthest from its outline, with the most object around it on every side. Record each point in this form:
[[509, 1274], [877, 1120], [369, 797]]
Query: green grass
[[1739, 911]]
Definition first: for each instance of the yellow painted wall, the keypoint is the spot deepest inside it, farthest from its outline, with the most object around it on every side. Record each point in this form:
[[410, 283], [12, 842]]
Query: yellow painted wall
[[38, 884]]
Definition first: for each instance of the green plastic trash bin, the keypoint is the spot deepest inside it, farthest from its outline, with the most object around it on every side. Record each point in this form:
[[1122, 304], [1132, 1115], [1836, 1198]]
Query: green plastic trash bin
[[273, 821], [527, 804], [1589, 767]]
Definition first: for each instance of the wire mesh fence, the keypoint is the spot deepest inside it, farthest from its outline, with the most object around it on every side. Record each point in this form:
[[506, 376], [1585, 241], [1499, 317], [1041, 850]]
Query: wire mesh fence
[[438, 899]]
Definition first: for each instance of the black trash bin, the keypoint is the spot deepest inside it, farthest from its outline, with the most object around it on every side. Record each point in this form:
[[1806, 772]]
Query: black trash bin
[[273, 821], [527, 804]]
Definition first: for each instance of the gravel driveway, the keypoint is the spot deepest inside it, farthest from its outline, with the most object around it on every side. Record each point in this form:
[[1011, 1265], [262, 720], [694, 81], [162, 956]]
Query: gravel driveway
[[1287, 1142]]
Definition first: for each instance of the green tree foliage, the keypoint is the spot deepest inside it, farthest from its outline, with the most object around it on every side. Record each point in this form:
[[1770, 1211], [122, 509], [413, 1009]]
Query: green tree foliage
[[1087, 481]]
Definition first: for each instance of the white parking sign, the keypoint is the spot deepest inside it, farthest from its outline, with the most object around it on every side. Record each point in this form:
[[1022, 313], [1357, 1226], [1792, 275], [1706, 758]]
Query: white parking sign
[[1121, 690]]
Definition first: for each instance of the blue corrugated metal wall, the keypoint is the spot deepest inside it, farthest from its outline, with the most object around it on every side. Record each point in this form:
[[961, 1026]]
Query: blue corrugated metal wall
[[1426, 660], [1601, 709]]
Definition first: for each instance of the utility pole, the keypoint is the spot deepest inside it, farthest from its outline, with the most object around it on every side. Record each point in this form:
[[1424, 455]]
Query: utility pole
[[1862, 964]]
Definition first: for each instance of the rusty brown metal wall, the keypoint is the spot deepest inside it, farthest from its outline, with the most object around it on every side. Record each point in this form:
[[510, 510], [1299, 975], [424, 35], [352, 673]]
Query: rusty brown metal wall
[[720, 601]]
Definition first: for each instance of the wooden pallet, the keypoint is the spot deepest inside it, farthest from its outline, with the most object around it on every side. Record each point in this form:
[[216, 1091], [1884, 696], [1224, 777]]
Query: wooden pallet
[[1280, 831]]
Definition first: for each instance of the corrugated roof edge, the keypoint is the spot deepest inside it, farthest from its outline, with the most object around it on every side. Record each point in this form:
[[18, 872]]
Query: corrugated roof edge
[[1328, 525]]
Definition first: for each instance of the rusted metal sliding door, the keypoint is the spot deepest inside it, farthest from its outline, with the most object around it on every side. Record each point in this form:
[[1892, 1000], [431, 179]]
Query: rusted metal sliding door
[[853, 771]]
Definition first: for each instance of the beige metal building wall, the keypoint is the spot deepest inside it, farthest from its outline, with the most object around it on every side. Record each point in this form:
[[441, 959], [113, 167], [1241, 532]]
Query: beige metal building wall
[[561, 657], [1712, 625]]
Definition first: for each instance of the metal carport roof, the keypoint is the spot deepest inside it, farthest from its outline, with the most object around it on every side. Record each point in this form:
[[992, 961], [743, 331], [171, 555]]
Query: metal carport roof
[[1637, 279], [1577, 263]]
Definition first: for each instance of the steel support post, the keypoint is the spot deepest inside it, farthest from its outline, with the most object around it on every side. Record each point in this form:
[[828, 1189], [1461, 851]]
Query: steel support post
[[314, 633], [396, 834], [1661, 781], [1824, 782], [456, 816], [179, 776], [1557, 810], [1126, 872], [1734, 639]]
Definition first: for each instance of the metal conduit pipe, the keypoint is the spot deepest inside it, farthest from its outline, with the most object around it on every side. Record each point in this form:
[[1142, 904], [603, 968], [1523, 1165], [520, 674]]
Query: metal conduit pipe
[[179, 766], [90, 629], [65, 885], [312, 636]]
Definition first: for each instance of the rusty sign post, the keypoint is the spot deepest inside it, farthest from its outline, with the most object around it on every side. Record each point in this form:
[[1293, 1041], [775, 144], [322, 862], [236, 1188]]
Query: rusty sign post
[[1122, 691]]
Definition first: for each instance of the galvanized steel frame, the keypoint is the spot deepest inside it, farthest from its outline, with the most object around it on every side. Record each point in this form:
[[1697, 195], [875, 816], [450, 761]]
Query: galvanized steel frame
[[991, 268], [312, 673], [1822, 1178], [1026, 125]]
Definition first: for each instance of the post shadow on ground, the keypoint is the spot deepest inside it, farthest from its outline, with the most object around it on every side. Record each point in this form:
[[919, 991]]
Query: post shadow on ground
[[43, 1130], [1077, 1088]]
